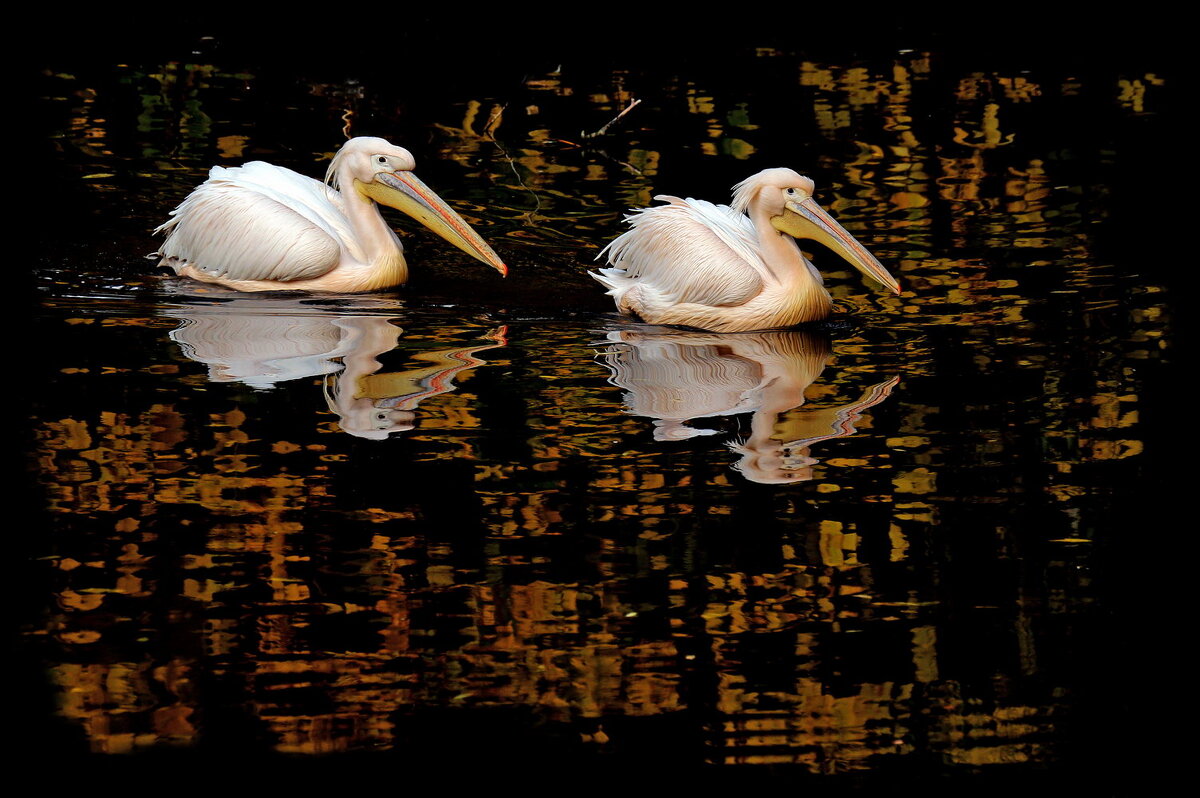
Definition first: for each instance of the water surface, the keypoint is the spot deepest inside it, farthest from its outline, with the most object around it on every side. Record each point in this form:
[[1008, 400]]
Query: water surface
[[477, 519]]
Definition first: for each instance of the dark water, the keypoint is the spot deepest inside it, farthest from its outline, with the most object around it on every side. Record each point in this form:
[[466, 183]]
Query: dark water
[[488, 521]]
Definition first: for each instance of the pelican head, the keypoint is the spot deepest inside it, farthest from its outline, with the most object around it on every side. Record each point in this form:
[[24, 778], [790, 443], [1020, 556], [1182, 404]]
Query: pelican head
[[787, 199], [381, 171]]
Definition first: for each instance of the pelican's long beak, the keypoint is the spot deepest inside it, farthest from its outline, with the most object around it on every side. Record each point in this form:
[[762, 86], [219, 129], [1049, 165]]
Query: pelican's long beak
[[805, 219], [405, 192]]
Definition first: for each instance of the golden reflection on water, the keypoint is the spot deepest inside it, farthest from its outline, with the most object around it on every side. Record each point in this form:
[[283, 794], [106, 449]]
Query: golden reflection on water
[[211, 516], [542, 537]]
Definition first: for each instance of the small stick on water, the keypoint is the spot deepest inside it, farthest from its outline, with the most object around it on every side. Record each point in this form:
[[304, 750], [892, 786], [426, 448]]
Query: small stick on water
[[632, 104], [625, 164], [489, 133], [493, 122]]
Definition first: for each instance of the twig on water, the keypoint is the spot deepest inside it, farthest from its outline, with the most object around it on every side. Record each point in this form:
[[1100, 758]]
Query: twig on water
[[489, 134], [632, 169], [632, 104]]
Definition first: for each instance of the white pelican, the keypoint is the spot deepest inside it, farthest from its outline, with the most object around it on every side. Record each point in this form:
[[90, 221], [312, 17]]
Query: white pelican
[[713, 267], [260, 227]]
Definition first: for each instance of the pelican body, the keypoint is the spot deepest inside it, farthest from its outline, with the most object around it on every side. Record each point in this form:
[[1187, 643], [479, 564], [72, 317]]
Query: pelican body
[[260, 227], [731, 268]]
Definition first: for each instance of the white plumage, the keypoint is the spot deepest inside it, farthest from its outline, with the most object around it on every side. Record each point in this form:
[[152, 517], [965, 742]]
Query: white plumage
[[260, 227], [730, 268]]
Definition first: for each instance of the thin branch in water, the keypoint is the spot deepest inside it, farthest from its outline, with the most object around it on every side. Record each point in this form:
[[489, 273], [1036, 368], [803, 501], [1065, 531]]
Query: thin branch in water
[[489, 133], [633, 169], [632, 104], [493, 122]]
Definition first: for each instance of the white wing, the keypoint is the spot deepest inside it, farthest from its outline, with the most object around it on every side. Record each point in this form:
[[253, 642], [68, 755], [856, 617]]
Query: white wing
[[689, 251], [259, 222]]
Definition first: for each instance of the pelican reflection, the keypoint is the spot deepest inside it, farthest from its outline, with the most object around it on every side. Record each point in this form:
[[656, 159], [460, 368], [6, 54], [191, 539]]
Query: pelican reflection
[[260, 343], [376, 405], [677, 377]]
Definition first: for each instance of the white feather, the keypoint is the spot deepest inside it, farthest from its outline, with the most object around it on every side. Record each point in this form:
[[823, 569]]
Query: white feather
[[726, 268], [688, 251], [260, 222], [260, 227]]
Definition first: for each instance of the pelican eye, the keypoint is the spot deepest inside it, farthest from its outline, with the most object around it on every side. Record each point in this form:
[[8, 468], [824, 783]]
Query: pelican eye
[[381, 160], [791, 192]]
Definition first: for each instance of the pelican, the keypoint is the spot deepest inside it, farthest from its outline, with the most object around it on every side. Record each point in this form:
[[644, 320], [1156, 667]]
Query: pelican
[[731, 268], [260, 227]]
